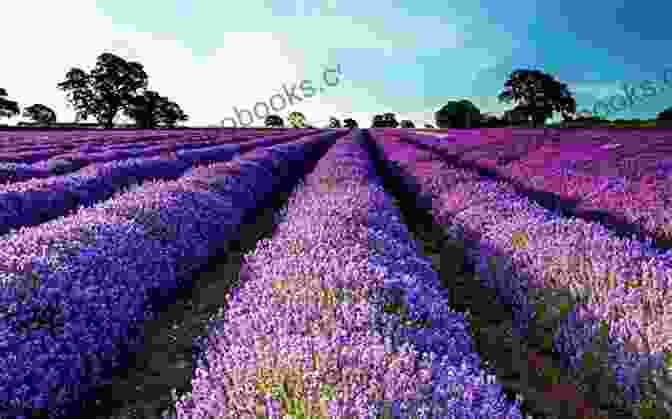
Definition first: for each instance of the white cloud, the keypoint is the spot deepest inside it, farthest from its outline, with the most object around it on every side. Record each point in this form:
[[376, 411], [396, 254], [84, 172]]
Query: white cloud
[[251, 65]]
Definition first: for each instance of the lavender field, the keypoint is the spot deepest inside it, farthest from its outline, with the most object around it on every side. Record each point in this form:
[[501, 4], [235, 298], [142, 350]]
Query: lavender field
[[380, 273]]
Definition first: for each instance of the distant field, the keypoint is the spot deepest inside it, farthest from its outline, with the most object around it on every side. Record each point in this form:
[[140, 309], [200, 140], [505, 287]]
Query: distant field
[[535, 264]]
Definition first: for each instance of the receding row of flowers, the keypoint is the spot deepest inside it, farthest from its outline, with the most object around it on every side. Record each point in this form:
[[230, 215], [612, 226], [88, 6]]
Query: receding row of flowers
[[76, 290], [63, 160], [39, 200], [618, 178], [607, 298], [338, 315]]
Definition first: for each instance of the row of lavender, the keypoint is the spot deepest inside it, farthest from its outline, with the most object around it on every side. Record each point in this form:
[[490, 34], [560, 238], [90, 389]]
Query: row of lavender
[[40, 150], [339, 316], [592, 174], [103, 139], [82, 285], [603, 290], [28, 140], [38, 200], [31, 153], [58, 163]]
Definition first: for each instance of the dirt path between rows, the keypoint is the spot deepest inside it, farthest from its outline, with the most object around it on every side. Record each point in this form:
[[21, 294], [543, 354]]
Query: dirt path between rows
[[143, 389]]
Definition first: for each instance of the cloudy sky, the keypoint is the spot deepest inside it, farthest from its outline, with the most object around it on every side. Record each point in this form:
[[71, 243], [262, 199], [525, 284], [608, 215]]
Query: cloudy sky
[[404, 56]]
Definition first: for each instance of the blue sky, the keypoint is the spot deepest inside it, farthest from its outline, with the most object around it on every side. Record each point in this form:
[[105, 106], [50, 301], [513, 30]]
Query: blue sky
[[406, 57]]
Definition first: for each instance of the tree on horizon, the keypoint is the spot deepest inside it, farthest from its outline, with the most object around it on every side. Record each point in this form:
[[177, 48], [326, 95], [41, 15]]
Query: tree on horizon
[[296, 120], [274, 121], [538, 95], [40, 113], [665, 115], [457, 114], [149, 110], [8, 108], [115, 85]]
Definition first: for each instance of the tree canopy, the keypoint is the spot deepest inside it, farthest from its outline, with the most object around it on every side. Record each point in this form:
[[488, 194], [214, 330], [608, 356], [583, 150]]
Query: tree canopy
[[538, 95], [350, 123], [107, 89], [457, 114], [407, 124], [334, 123], [274, 121], [150, 110], [665, 115], [40, 113], [296, 120], [386, 120], [8, 108]]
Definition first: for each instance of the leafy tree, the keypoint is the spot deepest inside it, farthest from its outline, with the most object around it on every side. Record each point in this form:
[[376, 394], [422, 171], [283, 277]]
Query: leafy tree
[[538, 95], [296, 120], [334, 123], [407, 124], [350, 123], [457, 114], [665, 115], [40, 113], [106, 90], [151, 109], [386, 120], [378, 121], [274, 121], [8, 108], [429, 126], [170, 113], [489, 120], [391, 120]]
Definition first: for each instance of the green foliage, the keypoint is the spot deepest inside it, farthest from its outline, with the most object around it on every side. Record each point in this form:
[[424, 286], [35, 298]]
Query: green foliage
[[296, 120], [40, 113], [8, 108], [564, 309], [274, 121], [454, 114], [589, 361], [386, 120], [646, 409], [150, 110], [604, 330], [665, 115], [350, 123], [667, 359], [296, 408], [116, 85], [407, 124], [538, 95], [551, 374]]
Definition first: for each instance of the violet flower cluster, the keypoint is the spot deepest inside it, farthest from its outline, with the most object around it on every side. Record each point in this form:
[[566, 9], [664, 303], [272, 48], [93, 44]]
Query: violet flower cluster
[[75, 291], [615, 288], [339, 316]]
